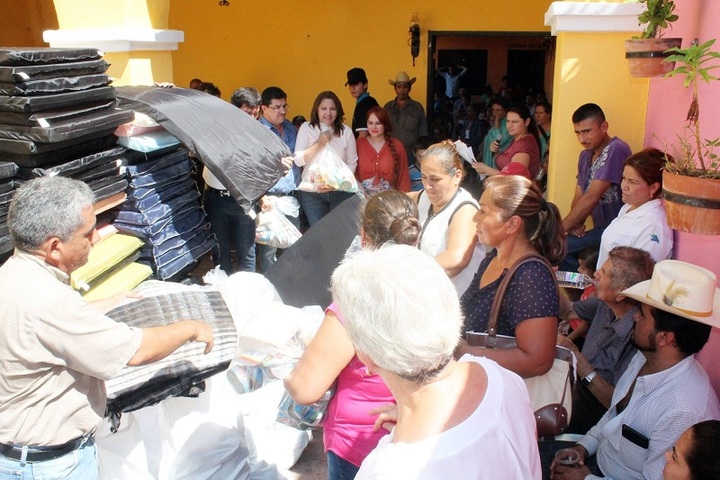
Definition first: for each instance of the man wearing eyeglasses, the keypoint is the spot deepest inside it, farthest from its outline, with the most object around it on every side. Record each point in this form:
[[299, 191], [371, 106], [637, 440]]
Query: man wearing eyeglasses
[[273, 113]]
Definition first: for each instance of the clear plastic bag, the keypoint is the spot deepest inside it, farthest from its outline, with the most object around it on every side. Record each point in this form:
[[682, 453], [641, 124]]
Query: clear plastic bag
[[273, 229], [303, 417], [327, 170]]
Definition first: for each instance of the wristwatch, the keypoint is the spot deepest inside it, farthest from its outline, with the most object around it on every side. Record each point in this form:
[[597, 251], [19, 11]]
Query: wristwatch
[[589, 378]]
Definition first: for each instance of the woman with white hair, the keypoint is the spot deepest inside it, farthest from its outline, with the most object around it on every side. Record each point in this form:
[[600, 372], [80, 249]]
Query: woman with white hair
[[348, 434], [455, 419]]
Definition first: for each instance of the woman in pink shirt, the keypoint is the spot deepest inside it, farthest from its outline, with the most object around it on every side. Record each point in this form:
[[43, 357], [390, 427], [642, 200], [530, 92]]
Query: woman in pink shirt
[[349, 435]]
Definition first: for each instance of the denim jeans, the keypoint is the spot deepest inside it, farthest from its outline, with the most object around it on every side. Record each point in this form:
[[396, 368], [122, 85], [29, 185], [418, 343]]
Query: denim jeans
[[575, 245], [233, 228], [317, 205], [339, 468], [81, 463]]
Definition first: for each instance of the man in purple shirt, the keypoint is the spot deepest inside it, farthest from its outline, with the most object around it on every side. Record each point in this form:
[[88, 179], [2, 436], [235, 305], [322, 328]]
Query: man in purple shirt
[[597, 192]]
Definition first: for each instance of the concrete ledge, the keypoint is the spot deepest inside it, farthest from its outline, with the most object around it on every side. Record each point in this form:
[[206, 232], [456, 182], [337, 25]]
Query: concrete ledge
[[115, 39], [593, 17]]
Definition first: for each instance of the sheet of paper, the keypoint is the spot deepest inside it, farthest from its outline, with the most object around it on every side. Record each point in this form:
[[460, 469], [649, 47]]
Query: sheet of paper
[[465, 152]]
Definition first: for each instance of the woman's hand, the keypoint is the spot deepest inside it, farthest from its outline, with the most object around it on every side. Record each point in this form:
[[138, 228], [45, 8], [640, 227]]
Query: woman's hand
[[324, 138], [387, 417], [287, 162], [578, 231], [494, 146], [483, 169]]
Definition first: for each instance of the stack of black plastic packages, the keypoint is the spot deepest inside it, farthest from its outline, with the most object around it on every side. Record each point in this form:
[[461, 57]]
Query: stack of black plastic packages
[[57, 117], [8, 170], [163, 203]]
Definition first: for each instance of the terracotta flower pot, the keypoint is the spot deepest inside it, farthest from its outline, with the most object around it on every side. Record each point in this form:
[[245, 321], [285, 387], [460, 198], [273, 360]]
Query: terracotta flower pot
[[692, 204], [646, 55]]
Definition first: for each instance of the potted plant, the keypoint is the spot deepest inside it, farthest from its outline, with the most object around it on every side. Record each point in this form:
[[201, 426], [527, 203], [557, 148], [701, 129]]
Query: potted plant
[[691, 182], [646, 53]]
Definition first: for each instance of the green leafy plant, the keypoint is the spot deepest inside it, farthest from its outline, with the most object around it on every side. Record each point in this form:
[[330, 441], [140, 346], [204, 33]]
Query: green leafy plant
[[658, 15], [694, 63]]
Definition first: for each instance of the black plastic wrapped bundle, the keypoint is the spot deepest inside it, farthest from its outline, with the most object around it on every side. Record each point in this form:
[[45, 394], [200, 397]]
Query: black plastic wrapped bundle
[[238, 150]]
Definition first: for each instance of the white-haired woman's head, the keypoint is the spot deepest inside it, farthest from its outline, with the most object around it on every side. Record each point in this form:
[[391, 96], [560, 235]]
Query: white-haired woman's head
[[400, 309]]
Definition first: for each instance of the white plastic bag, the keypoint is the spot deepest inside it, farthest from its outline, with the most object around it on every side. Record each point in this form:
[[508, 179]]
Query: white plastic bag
[[274, 229], [327, 170]]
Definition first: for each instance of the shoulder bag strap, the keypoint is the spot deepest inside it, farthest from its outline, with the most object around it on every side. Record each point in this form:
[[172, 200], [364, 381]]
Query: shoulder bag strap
[[497, 300]]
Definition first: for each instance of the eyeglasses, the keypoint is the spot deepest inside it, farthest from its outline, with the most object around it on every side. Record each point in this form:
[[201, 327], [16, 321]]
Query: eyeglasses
[[285, 107]]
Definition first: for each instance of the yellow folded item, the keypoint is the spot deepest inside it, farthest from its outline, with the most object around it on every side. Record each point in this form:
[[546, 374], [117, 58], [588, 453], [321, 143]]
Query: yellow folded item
[[125, 279], [104, 255]]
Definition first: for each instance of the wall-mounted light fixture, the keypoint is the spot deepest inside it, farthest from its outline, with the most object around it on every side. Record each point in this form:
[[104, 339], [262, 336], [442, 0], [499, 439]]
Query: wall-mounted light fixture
[[224, 3], [414, 40]]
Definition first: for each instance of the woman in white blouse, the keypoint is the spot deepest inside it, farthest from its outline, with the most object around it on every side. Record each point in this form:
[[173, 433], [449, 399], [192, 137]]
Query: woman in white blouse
[[641, 222], [324, 128]]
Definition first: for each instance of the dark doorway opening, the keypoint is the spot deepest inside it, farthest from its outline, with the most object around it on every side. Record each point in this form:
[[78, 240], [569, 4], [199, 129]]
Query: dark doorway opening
[[475, 77], [512, 62], [526, 68]]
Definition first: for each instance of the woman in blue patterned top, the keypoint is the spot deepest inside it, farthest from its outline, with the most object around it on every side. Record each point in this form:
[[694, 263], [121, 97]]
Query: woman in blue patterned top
[[515, 220]]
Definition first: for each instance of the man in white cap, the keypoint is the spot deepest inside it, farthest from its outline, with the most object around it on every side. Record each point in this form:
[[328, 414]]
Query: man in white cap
[[406, 115], [664, 389]]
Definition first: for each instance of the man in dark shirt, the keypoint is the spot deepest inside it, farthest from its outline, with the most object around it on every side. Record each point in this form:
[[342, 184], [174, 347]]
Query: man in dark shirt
[[357, 83]]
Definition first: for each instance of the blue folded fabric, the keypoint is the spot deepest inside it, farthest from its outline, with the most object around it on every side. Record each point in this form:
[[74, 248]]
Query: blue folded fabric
[[144, 198], [182, 258], [159, 212], [182, 220], [169, 168]]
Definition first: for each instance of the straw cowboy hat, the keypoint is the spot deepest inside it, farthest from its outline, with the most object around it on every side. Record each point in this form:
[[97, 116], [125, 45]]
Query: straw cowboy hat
[[681, 288], [402, 77]]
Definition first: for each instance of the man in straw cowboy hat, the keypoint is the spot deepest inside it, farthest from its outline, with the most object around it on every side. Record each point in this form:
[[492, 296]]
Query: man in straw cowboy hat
[[406, 115], [664, 389]]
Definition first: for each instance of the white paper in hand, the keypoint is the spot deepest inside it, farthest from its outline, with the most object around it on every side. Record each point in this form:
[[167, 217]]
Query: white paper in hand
[[465, 152]]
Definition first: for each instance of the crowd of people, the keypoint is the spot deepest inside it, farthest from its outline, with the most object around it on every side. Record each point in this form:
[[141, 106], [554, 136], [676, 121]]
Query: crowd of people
[[413, 399]]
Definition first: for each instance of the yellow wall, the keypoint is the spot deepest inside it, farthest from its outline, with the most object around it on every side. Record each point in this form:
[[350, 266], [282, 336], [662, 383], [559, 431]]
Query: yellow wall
[[591, 67], [112, 14], [22, 22], [307, 47], [127, 68], [139, 67]]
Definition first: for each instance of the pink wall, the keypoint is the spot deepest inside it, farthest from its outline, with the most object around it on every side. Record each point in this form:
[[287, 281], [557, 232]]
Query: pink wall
[[667, 108]]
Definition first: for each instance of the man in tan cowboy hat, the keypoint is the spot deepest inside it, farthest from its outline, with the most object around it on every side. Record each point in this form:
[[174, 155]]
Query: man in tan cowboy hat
[[664, 389], [406, 115]]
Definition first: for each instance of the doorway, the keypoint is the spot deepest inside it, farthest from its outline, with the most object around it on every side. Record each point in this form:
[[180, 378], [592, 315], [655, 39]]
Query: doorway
[[520, 62]]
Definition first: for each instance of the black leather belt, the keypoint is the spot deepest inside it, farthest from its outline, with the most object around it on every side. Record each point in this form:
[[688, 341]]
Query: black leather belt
[[216, 191], [40, 454]]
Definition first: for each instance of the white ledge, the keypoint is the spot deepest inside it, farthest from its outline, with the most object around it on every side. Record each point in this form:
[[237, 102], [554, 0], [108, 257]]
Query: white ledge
[[115, 39], [593, 17]]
